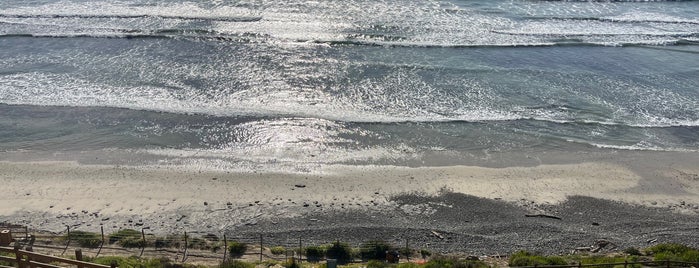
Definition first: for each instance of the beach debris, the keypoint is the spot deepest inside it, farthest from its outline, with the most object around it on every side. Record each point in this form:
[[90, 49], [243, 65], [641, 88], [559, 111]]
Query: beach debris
[[542, 216], [595, 223], [436, 234], [300, 185], [206, 203]]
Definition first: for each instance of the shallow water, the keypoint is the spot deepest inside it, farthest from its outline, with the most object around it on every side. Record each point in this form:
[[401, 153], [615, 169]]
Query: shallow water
[[293, 85]]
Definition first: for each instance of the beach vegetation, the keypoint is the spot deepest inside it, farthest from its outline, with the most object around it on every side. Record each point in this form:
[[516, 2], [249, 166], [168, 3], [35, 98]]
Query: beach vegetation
[[314, 253], [406, 252], [375, 250], [525, 258], [236, 264], [4, 263], [377, 264], [85, 239], [216, 247], [442, 261], [135, 261], [342, 252], [278, 250], [291, 264], [633, 251], [600, 260], [128, 238], [424, 253], [198, 243], [237, 249], [673, 252], [170, 241]]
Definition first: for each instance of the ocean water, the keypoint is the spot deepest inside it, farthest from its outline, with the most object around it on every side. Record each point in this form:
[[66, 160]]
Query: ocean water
[[295, 85]]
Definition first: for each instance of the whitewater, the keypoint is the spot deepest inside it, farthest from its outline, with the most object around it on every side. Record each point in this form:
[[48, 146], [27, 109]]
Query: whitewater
[[295, 85]]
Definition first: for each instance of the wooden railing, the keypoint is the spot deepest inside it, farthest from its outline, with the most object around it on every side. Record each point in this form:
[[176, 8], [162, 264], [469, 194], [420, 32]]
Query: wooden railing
[[29, 259]]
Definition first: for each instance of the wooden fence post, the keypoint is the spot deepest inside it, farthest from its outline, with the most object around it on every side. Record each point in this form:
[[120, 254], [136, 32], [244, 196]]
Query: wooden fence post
[[79, 256], [18, 256], [101, 244], [225, 247], [407, 250], [184, 256], [300, 250], [67, 243], [143, 239]]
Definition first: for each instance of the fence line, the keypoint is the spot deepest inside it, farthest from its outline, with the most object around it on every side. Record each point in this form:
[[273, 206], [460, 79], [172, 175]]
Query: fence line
[[27, 258], [210, 244]]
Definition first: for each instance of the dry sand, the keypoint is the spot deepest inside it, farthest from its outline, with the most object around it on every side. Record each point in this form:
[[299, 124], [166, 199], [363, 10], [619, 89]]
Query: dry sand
[[51, 195]]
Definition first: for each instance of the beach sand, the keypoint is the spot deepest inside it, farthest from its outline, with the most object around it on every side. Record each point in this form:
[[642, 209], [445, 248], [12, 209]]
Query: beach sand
[[50, 195]]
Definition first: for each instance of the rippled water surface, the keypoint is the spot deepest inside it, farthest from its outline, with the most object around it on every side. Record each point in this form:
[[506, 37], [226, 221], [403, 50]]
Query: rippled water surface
[[297, 84]]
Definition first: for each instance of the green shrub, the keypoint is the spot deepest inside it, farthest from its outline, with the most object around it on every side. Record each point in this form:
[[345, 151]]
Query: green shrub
[[632, 251], [237, 264], [406, 252], [674, 252], [600, 260], [314, 253], [375, 250], [139, 262], [132, 242], [524, 258], [408, 265], [291, 264], [425, 253], [342, 252], [278, 250], [124, 234], [377, 264], [7, 254], [170, 241], [237, 249], [441, 261], [85, 239]]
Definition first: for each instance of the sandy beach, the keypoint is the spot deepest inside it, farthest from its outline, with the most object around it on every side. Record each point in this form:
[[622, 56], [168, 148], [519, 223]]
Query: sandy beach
[[51, 195]]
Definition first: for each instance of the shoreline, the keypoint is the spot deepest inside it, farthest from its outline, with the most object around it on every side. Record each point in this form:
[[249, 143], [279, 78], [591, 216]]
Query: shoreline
[[387, 199]]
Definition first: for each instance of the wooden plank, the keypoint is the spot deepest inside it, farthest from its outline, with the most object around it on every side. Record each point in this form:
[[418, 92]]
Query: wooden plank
[[41, 264], [34, 255], [7, 259]]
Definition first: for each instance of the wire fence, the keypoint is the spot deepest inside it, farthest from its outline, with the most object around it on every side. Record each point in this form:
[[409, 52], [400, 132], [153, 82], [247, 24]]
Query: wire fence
[[194, 246]]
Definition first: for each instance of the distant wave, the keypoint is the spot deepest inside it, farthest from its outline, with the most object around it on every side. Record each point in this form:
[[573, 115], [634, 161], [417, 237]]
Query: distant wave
[[636, 147], [127, 16], [618, 19], [679, 39]]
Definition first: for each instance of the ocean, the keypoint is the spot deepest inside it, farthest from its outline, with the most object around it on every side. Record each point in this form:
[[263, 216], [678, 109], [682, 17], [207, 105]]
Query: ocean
[[292, 86]]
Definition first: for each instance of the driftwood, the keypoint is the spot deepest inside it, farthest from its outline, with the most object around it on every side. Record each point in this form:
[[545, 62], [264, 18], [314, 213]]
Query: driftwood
[[435, 233], [542, 216]]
